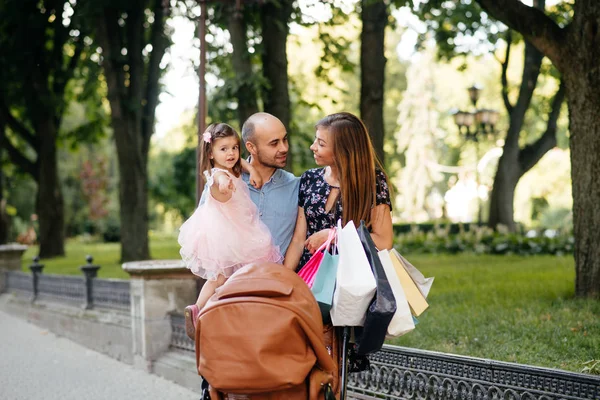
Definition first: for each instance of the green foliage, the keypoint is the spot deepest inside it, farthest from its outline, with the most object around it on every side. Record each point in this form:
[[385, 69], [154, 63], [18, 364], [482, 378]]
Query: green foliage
[[111, 232], [452, 21], [591, 367], [174, 184], [482, 240]]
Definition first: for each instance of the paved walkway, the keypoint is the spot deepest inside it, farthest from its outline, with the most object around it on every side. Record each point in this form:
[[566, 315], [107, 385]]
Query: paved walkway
[[36, 364]]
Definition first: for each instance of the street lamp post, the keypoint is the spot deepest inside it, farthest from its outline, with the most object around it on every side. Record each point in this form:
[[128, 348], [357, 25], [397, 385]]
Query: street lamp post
[[474, 124]]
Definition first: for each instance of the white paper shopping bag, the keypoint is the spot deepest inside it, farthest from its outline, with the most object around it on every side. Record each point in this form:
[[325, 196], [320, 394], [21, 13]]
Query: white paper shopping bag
[[355, 285], [402, 322]]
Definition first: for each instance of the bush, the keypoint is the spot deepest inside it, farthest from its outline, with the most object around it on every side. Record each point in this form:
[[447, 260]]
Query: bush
[[483, 240], [112, 231]]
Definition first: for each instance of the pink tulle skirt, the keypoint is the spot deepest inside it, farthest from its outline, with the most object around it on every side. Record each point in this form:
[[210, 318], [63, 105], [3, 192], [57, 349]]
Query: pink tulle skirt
[[219, 238]]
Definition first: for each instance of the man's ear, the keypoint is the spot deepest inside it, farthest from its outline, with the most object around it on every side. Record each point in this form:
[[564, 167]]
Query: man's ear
[[251, 148]]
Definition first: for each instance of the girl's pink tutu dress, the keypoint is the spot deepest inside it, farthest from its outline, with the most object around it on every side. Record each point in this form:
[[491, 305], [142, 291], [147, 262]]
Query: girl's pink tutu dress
[[220, 238]]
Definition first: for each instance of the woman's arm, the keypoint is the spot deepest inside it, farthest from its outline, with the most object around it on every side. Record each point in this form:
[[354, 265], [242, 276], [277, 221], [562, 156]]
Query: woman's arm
[[382, 231], [315, 240], [296, 247]]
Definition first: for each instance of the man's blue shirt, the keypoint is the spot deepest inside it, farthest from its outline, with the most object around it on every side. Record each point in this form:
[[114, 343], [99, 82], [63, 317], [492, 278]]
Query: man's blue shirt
[[277, 203]]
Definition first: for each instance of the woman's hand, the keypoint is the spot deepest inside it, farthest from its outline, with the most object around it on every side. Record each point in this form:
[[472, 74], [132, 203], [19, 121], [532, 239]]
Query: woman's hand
[[315, 240]]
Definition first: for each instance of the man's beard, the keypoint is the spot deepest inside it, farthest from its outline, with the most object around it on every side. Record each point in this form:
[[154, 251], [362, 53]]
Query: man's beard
[[271, 163]]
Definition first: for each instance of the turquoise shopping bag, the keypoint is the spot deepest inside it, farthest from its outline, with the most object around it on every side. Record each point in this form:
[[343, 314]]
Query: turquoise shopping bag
[[324, 284]]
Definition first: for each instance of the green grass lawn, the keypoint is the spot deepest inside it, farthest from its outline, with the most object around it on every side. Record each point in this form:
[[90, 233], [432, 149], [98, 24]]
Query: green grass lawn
[[508, 308]]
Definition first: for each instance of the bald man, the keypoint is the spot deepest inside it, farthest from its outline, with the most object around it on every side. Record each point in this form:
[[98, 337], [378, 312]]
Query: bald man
[[266, 139]]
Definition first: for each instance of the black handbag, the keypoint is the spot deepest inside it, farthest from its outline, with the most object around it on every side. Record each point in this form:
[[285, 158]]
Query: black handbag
[[371, 336]]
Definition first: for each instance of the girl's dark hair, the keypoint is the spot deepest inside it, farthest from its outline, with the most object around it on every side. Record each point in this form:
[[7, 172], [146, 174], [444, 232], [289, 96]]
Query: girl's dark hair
[[217, 131]]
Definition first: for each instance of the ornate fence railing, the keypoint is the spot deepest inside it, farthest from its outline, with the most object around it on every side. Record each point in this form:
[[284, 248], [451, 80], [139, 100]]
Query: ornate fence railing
[[404, 373], [62, 288], [19, 282], [87, 291], [179, 339], [112, 293]]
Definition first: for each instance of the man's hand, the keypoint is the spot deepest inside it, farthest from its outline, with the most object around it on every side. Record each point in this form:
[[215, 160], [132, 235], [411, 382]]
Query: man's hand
[[315, 240]]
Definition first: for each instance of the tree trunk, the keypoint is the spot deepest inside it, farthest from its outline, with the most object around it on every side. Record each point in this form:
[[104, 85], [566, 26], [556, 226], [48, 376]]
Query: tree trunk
[[509, 168], [503, 192], [374, 17], [49, 200], [275, 17], [582, 80], [133, 102], [133, 191], [246, 91]]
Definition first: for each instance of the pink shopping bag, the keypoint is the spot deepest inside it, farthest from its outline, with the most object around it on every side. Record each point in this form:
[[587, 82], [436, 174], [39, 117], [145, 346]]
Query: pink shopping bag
[[309, 270]]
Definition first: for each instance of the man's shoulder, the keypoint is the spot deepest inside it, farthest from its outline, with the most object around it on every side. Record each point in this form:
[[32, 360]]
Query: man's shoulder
[[287, 176], [286, 179]]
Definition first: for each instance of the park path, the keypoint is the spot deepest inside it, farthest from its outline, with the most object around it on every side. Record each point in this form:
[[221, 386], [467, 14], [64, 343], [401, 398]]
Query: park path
[[36, 364]]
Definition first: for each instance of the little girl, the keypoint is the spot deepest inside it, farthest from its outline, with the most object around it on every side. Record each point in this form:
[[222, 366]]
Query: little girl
[[224, 233]]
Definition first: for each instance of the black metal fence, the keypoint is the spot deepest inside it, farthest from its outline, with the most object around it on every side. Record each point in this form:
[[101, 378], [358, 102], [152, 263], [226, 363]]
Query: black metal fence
[[404, 373], [87, 291]]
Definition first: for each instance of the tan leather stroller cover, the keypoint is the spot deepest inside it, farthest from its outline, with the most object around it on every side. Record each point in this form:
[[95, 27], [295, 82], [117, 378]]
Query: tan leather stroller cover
[[260, 336]]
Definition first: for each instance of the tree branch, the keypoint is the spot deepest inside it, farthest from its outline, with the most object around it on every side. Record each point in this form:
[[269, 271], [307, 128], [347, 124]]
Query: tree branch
[[17, 158], [531, 71], [537, 28], [532, 153], [20, 129], [504, 78]]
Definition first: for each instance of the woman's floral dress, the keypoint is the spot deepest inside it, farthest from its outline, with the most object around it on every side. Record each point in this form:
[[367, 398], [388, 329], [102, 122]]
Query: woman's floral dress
[[312, 197]]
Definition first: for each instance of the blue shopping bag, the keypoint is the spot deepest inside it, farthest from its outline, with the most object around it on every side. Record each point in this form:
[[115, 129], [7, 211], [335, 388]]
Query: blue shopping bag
[[324, 284]]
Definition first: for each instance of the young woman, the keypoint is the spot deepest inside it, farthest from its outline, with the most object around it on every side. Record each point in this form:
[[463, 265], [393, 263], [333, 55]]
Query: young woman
[[350, 185]]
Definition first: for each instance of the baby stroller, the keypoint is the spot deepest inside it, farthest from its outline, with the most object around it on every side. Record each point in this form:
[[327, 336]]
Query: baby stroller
[[260, 337]]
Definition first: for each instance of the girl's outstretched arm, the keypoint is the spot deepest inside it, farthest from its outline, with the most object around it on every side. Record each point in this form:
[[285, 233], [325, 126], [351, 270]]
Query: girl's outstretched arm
[[222, 188], [255, 178]]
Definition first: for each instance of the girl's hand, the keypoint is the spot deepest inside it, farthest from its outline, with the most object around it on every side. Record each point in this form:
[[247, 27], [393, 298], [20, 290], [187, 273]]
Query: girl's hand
[[226, 186], [255, 179], [315, 240]]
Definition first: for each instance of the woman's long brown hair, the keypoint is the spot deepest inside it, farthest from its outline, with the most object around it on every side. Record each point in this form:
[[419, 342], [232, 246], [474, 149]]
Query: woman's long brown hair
[[355, 161], [218, 131]]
